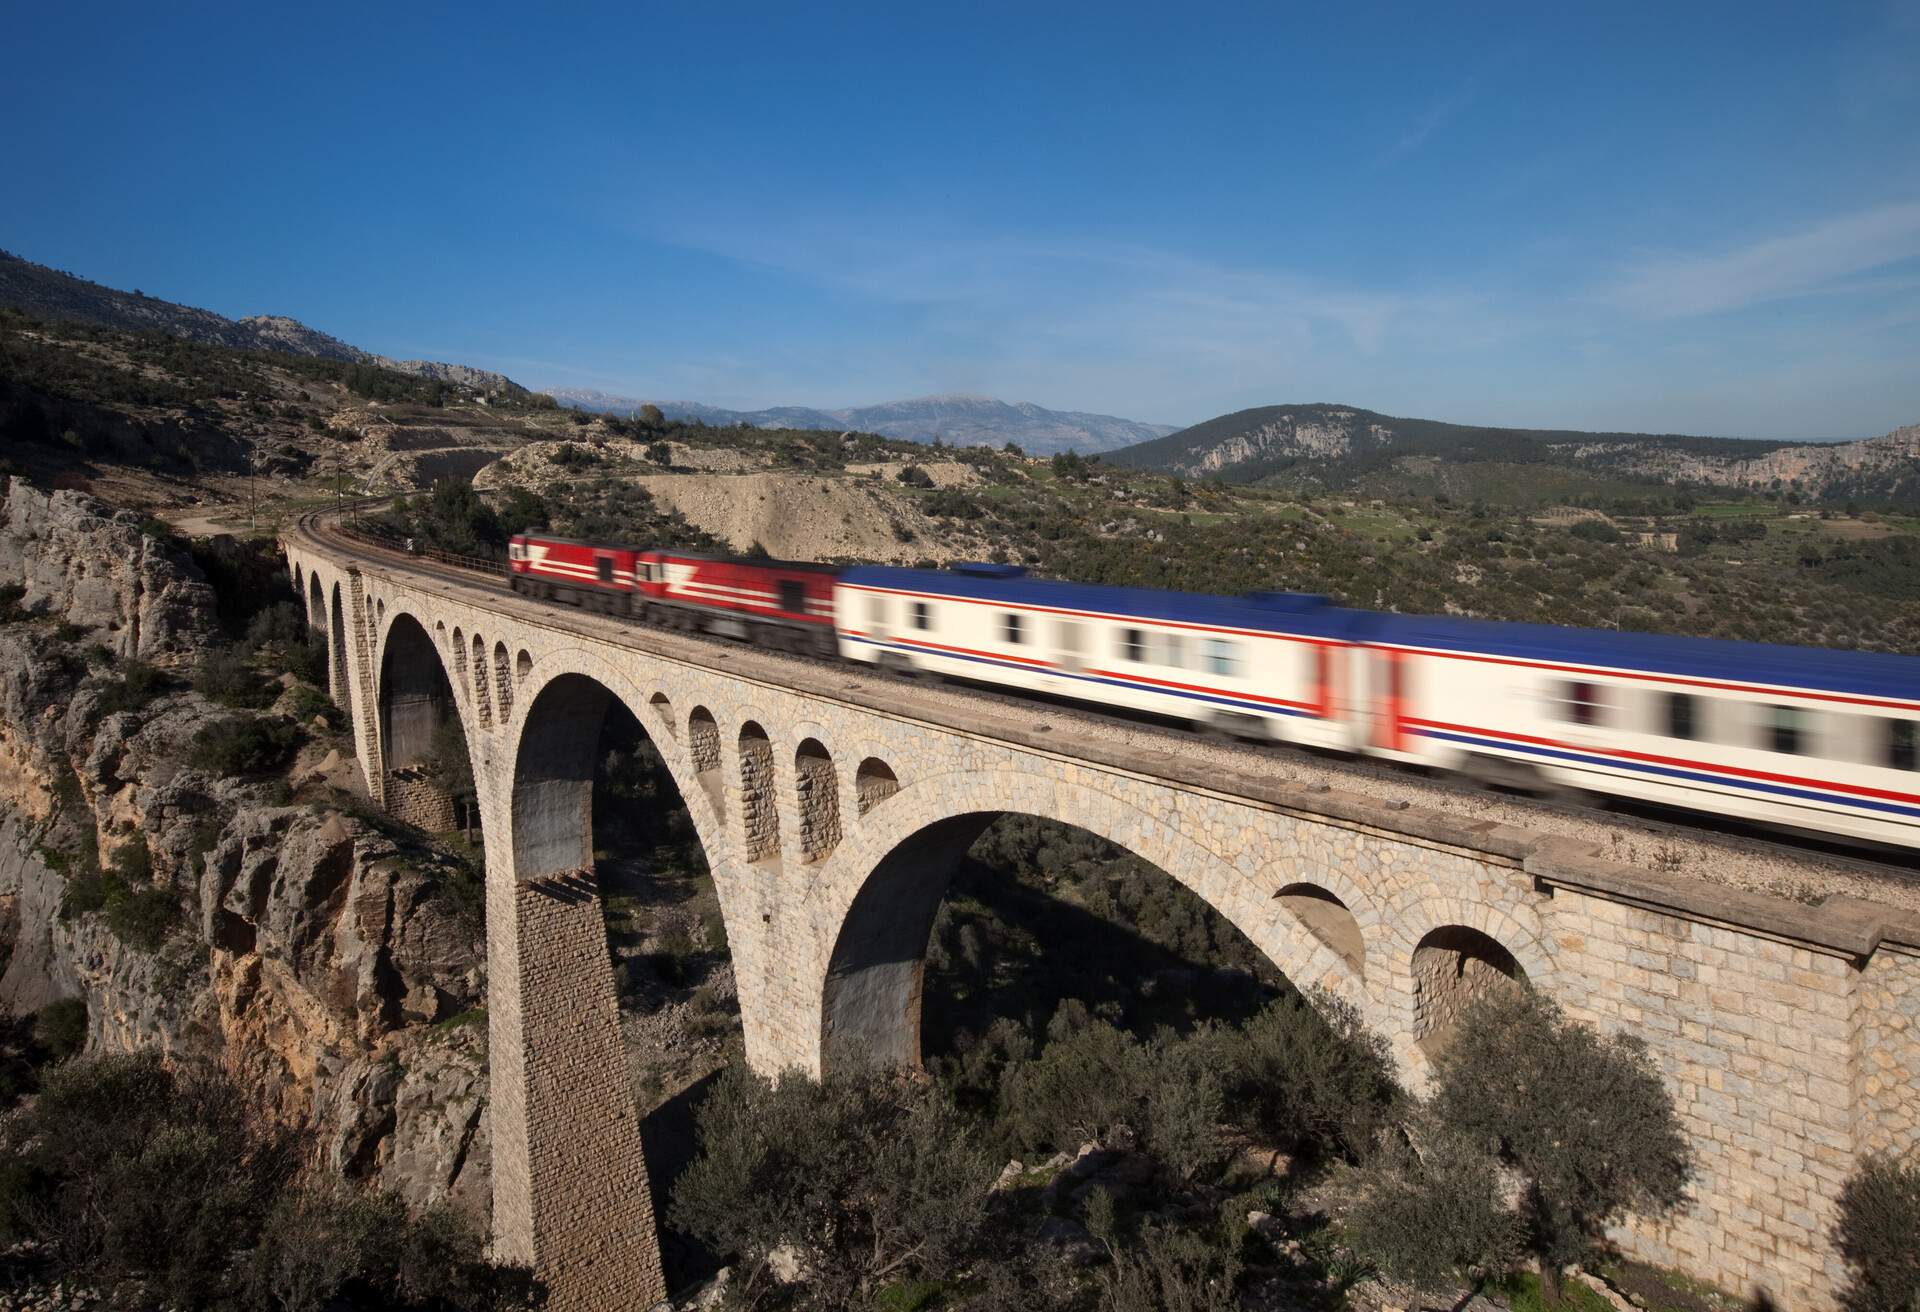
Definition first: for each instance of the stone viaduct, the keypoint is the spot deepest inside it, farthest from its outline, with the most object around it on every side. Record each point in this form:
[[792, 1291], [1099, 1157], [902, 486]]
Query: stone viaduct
[[832, 810]]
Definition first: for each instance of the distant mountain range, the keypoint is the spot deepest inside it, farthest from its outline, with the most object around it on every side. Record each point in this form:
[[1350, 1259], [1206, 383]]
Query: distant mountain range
[[1341, 446], [959, 419], [51, 294]]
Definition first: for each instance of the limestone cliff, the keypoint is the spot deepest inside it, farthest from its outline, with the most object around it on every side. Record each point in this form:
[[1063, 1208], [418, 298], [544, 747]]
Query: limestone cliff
[[312, 948]]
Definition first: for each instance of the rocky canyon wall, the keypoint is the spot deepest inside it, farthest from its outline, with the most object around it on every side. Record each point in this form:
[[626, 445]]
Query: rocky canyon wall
[[328, 959]]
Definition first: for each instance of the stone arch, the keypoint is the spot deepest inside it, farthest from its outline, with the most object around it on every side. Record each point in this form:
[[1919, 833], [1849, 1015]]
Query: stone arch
[[1328, 919], [340, 675], [523, 666], [817, 790], [567, 669], [759, 815], [663, 707], [873, 783], [502, 680], [888, 886], [316, 599], [380, 612], [1453, 967], [482, 701], [416, 698]]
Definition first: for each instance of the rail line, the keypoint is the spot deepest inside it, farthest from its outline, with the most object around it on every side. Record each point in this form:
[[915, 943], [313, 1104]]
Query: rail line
[[1654, 822]]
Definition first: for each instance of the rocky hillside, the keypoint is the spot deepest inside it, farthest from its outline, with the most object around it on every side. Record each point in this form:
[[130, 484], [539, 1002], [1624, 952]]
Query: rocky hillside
[[958, 420], [1345, 447], [45, 293], [204, 877]]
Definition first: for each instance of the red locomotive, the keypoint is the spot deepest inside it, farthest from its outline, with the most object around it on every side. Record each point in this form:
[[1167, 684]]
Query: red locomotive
[[774, 603]]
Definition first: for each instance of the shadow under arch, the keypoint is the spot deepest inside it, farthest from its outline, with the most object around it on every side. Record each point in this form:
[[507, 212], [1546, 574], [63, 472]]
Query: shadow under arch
[[415, 691], [339, 676], [873, 991]]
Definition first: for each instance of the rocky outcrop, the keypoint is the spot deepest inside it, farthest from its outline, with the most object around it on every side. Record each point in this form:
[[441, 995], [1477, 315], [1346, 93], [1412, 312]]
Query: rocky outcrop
[[319, 954], [84, 564]]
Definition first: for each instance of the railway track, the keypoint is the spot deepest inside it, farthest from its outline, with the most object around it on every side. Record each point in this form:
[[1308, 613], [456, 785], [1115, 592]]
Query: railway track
[[1654, 825]]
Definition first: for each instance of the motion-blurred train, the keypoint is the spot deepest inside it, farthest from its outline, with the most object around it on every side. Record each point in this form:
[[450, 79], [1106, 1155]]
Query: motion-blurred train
[[1798, 736]]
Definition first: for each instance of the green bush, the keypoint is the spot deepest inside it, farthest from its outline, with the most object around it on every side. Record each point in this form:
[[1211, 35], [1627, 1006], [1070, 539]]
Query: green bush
[[870, 1177], [138, 685], [226, 675], [1433, 1212], [243, 746], [161, 1187], [60, 1028], [1311, 1073], [1878, 1234]]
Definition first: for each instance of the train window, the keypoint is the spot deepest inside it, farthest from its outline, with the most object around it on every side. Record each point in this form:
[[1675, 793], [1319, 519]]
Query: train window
[[1788, 728], [1683, 715], [922, 615], [1582, 703], [603, 566], [1010, 627], [1220, 657], [793, 597], [1133, 645], [877, 611], [1901, 747], [1173, 650]]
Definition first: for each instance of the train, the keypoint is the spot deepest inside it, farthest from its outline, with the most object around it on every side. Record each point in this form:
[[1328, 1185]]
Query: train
[[1805, 738]]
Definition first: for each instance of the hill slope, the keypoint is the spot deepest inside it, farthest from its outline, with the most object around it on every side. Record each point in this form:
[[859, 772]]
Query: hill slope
[[1341, 446], [45, 293], [958, 419]]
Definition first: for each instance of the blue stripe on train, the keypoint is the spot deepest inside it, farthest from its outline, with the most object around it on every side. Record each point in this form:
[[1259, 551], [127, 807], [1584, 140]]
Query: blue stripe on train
[[1694, 776]]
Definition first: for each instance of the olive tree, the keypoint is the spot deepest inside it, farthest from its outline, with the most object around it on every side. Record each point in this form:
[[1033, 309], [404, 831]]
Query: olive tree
[[1582, 1119]]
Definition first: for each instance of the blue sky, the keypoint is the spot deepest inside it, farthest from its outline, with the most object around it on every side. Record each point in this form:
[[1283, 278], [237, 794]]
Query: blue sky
[[1676, 217]]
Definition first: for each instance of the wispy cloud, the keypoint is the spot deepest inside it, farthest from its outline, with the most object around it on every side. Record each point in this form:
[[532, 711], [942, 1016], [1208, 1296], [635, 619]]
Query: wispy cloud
[[1430, 120], [1814, 259]]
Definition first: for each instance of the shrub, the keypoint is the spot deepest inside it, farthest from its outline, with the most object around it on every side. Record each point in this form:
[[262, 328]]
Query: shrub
[[1433, 1211], [162, 1186], [1169, 1270], [1084, 1086], [242, 745], [138, 685], [869, 1177], [1312, 1073], [11, 595], [60, 1028], [226, 675], [1584, 1120], [914, 476], [1876, 1235]]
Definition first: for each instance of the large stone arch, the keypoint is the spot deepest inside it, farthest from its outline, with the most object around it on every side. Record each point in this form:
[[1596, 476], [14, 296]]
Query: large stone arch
[[890, 884], [570, 1184]]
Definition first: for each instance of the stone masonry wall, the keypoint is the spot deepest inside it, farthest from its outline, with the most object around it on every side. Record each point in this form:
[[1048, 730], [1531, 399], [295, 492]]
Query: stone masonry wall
[[412, 797], [1755, 1037], [1886, 1094]]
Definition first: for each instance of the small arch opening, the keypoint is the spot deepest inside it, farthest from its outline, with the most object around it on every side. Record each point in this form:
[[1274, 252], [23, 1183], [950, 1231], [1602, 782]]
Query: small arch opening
[[522, 666], [1453, 967], [759, 817], [502, 680], [703, 745], [873, 783], [1328, 919], [818, 790], [482, 699], [663, 707]]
